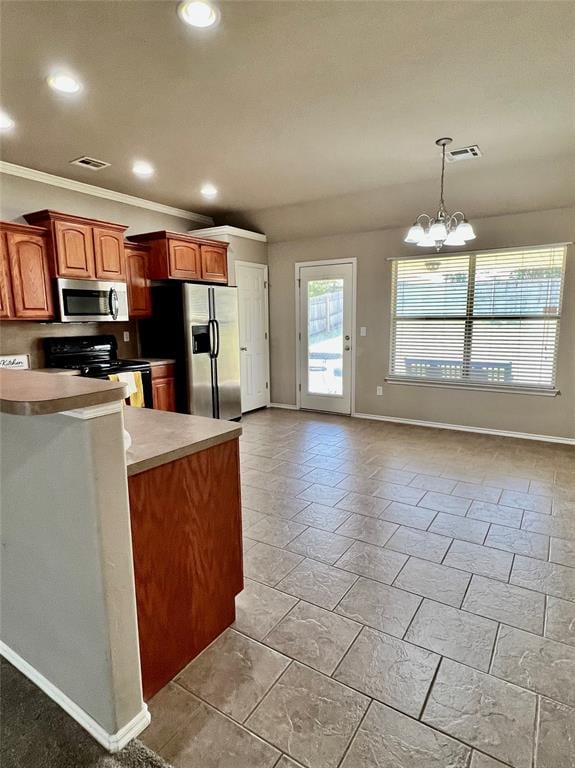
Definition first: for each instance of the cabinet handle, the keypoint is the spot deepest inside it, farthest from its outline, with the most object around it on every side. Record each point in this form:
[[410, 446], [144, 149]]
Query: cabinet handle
[[243, 349]]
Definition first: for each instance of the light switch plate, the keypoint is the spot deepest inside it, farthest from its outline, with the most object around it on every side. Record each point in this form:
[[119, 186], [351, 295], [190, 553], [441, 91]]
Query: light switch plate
[[126, 335], [379, 390], [363, 331]]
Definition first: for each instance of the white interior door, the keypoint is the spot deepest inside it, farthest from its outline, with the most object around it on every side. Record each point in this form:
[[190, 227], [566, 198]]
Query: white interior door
[[325, 331], [251, 280]]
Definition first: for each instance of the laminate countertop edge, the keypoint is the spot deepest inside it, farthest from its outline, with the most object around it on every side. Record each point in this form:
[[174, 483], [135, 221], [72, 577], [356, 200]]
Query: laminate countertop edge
[[160, 437], [30, 393]]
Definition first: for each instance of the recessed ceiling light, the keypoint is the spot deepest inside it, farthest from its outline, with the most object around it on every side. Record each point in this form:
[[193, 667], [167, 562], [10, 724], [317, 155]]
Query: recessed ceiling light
[[198, 13], [208, 190], [64, 82], [6, 122], [143, 169]]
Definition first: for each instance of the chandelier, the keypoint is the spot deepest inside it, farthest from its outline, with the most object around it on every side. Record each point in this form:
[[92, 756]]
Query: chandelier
[[444, 228]]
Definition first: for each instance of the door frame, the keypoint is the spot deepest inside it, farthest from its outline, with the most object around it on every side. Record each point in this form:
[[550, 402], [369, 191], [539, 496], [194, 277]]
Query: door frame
[[325, 263], [264, 267]]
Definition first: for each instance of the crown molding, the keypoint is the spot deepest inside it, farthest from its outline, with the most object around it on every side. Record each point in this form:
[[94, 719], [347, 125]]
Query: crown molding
[[227, 230], [108, 194]]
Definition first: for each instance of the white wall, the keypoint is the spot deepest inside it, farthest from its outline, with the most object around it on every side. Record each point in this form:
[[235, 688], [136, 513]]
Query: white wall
[[511, 412]]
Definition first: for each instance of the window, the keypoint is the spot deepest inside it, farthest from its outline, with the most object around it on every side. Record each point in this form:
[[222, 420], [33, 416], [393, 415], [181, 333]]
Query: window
[[482, 319]]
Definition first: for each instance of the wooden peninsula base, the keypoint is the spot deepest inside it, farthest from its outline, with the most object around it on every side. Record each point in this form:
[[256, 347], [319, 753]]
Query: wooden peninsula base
[[187, 546]]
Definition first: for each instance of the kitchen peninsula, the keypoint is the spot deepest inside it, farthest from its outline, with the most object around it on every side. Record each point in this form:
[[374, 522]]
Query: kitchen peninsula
[[108, 557]]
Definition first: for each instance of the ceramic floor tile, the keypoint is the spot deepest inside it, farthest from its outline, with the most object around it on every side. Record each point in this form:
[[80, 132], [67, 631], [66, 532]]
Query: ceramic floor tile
[[324, 462], [290, 486], [431, 483], [446, 585], [295, 456], [324, 476], [460, 528], [390, 475], [549, 578], [495, 513], [269, 564], [526, 501], [259, 608], [313, 636], [390, 670], [289, 469], [309, 716], [508, 482], [388, 739], [442, 502], [536, 663], [429, 546], [560, 623], [518, 541], [369, 529], [407, 514], [322, 516], [403, 493], [482, 761], [480, 710], [361, 504], [477, 491], [372, 561], [460, 635], [318, 583], [320, 545], [287, 762], [484, 561], [233, 673], [251, 517], [249, 461], [379, 606], [558, 526], [271, 503], [362, 485], [211, 740], [556, 735], [562, 551], [171, 709], [503, 602], [275, 531], [247, 544], [323, 494]]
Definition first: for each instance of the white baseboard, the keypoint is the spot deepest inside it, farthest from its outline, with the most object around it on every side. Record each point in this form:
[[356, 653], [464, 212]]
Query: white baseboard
[[461, 428], [113, 742], [284, 405]]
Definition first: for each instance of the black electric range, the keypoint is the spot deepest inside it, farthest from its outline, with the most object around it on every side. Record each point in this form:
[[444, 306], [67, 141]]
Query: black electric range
[[95, 357]]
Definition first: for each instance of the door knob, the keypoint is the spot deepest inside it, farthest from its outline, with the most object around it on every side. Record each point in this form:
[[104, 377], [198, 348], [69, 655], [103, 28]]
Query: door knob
[[243, 349]]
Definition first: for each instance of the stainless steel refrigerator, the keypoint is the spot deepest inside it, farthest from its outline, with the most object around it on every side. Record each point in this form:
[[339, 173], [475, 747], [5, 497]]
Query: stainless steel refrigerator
[[197, 325]]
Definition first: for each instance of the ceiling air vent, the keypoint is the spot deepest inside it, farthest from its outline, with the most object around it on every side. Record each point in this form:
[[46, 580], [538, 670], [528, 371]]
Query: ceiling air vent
[[465, 153], [90, 162]]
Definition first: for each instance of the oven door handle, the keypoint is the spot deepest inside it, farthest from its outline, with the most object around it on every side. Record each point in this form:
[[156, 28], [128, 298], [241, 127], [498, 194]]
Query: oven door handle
[[113, 303]]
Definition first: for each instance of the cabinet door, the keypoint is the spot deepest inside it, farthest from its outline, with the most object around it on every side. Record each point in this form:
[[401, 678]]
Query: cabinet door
[[74, 250], [214, 264], [184, 260], [139, 289], [5, 282], [164, 394], [31, 289], [109, 254]]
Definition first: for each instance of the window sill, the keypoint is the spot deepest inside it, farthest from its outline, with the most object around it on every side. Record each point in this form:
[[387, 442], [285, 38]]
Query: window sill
[[473, 387]]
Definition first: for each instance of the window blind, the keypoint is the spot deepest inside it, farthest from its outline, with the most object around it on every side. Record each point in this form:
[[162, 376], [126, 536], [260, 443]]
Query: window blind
[[487, 318]]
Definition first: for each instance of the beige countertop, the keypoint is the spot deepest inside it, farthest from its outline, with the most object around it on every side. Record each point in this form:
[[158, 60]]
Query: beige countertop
[[155, 360], [33, 393], [63, 371], [159, 437]]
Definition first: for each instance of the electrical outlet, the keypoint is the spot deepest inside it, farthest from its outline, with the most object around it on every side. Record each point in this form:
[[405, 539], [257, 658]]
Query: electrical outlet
[[363, 331], [126, 335], [379, 391]]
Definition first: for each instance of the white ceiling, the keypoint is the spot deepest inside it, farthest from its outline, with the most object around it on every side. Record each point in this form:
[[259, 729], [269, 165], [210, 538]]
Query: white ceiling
[[290, 102]]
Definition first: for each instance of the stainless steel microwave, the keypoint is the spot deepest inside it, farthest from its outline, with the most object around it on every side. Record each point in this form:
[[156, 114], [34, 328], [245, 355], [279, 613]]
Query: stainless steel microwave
[[91, 300]]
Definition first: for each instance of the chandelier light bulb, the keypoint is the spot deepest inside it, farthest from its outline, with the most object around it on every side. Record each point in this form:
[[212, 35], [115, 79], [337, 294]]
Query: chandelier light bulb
[[466, 230], [426, 241], [416, 232], [454, 238], [438, 231]]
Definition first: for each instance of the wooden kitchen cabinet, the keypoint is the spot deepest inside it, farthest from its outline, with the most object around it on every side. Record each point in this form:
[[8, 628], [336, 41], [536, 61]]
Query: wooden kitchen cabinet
[[82, 248], [26, 292], [109, 254], [214, 259], [138, 279], [177, 256], [164, 387]]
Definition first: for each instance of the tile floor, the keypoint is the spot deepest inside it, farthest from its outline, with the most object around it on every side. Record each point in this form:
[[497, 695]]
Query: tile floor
[[409, 602]]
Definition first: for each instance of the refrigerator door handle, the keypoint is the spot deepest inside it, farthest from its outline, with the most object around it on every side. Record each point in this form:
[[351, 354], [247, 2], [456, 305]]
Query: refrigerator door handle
[[212, 330], [217, 327]]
